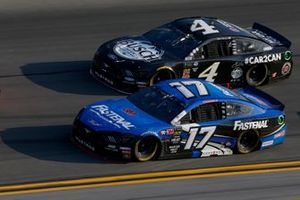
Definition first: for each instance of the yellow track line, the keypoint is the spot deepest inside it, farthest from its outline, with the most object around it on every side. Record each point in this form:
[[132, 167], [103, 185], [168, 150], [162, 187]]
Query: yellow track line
[[148, 177]]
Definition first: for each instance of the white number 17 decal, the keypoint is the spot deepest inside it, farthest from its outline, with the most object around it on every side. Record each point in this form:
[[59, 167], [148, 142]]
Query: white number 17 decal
[[187, 93], [208, 131]]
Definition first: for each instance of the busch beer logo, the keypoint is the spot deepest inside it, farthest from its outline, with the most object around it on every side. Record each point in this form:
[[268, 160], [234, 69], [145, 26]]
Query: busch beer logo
[[242, 126], [111, 116], [263, 59], [137, 50]]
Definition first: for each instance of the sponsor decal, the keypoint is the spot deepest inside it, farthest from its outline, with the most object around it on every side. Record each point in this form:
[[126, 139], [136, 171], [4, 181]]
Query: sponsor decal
[[241, 126], [255, 99], [236, 73], [111, 147], [265, 37], [210, 101], [186, 73], [169, 131], [280, 119], [84, 143], [129, 111], [112, 56], [267, 143], [225, 92], [93, 122], [137, 50], [174, 148], [280, 134], [104, 112], [286, 68], [176, 139], [229, 26], [263, 59], [287, 55], [126, 152], [104, 78]]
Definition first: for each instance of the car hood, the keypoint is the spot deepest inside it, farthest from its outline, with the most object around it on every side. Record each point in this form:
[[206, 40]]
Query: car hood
[[136, 50], [120, 116]]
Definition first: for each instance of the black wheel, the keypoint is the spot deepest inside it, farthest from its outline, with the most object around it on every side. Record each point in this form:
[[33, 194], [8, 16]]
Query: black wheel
[[146, 148], [257, 75], [247, 141], [161, 75]]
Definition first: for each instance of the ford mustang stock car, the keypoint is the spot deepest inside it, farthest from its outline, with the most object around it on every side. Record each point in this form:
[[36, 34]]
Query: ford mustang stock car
[[182, 118], [195, 47]]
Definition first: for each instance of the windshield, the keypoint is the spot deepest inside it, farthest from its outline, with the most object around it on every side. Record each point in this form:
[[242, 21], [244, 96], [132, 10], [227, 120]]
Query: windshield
[[157, 103], [172, 40]]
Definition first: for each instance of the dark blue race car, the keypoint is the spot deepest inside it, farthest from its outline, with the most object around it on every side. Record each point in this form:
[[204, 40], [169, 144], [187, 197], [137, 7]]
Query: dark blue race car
[[182, 118]]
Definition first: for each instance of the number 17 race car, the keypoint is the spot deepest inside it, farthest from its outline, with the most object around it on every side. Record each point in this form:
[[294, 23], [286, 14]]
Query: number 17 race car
[[182, 118], [195, 47]]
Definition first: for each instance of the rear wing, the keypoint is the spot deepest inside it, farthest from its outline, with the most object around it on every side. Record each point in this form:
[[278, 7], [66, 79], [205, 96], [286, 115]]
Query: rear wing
[[260, 98], [269, 35]]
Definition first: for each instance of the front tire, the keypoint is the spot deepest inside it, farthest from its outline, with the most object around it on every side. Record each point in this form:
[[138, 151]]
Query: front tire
[[247, 142], [146, 149], [164, 74], [257, 75]]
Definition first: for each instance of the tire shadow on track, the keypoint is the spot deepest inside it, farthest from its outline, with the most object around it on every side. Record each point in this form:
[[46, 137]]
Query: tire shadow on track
[[50, 143], [66, 77]]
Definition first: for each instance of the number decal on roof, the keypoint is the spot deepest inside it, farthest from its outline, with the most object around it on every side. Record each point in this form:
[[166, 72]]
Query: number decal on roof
[[200, 25], [186, 92], [210, 72], [208, 131]]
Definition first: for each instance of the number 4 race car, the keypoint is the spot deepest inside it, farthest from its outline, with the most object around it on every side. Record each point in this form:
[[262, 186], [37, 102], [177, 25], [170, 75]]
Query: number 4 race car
[[182, 118], [196, 47]]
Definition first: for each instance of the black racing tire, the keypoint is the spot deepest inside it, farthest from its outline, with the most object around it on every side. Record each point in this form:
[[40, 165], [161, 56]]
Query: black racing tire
[[146, 148], [163, 74], [247, 141], [257, 75]]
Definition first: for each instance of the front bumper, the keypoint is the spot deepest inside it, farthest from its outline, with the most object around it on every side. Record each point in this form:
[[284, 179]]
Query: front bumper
[[106, 142], [114, 79]]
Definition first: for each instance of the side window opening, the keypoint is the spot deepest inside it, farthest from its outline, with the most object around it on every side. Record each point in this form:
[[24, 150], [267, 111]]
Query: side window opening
[[247, 45], [208, 112], [214, 49], [203, 113], [235, 109]]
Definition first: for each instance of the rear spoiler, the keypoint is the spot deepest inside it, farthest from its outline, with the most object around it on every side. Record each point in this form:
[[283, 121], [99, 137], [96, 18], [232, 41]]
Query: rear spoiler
[[267, 32], [260, 98]]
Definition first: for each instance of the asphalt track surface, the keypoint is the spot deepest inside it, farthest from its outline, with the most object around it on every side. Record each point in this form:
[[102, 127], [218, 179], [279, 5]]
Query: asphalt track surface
[[44, 81], [250, 187]]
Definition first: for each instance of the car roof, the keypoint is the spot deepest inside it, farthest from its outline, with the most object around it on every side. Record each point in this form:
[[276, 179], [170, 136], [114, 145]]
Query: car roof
[[214, 92], [225, 29]]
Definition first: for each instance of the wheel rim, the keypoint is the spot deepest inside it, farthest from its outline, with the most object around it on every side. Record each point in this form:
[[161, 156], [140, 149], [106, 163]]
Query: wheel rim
[[146, 148], [257, 75], [248, 141]]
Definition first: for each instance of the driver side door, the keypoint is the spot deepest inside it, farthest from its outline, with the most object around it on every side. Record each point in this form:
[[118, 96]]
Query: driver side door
[[199, 125]]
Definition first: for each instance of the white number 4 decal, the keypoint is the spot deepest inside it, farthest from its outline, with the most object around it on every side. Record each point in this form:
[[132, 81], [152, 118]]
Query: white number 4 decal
[[187, 93], [200, 25], [210, 72], [208, 131]]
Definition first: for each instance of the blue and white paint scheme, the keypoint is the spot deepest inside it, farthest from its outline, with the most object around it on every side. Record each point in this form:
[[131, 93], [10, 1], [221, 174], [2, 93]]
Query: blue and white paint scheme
[[186, 118]]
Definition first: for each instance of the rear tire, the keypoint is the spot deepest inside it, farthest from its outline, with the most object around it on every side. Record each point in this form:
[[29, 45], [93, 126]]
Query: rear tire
[[257, 75], [247, 142], [146, 149]]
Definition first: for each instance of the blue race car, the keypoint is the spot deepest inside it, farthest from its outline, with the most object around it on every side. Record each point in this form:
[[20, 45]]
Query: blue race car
[[182, 118]]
